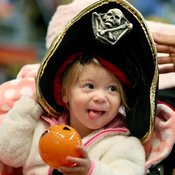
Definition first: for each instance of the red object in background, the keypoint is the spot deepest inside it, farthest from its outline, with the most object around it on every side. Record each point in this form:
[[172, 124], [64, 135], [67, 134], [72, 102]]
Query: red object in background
[[5, 8], [58, 142], [17, 55]]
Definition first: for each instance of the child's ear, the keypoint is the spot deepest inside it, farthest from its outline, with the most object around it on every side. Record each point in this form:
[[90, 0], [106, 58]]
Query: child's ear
[[65, 98]]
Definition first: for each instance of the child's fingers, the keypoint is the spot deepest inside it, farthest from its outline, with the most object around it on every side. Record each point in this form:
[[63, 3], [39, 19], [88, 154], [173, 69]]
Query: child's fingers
[[83, 151]]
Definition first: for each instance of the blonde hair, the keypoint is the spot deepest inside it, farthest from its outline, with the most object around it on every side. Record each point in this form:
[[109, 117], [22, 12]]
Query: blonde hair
[[72, 73]]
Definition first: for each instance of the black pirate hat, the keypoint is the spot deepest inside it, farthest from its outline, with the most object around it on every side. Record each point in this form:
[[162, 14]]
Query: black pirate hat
[[116, 32]]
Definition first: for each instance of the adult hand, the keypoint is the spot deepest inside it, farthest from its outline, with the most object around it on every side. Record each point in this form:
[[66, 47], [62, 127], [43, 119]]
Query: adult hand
[[83, 164], [165, 45]]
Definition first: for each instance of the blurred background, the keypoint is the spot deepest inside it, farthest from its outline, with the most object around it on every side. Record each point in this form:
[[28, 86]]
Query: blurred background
[[23, 27]]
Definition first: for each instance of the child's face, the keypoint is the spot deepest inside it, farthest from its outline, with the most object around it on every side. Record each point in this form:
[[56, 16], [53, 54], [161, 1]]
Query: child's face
[[94, 100]]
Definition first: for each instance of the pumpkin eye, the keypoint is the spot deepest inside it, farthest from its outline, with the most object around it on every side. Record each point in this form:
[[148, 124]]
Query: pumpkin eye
[[45, 133], [66, 128]]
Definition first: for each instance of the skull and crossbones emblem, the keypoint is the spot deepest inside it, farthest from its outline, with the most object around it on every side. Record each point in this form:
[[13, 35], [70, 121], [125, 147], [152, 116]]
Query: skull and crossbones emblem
[[111, 26]]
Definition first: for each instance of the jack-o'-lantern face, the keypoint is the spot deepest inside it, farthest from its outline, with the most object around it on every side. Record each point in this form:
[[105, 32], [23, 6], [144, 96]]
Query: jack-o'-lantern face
[[58, 142]]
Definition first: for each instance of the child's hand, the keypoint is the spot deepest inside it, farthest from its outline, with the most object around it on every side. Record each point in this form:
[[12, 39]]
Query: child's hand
[[82, 164]]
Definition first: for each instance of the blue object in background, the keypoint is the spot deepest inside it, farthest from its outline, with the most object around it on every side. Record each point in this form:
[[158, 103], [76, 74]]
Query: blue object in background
[[156, 9]]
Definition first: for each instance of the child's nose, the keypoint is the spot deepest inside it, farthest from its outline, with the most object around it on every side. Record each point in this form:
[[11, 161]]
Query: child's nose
[[100, 96]]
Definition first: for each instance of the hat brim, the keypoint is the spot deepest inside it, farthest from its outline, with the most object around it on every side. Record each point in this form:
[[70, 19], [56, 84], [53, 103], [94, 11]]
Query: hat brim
[[134, 55]]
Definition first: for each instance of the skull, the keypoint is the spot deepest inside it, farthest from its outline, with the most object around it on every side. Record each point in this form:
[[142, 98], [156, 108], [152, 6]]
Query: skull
[[113, 17]]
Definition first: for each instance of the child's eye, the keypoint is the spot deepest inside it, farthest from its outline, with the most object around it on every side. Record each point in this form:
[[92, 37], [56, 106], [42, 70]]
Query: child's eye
[[112, 88], [88, 85]]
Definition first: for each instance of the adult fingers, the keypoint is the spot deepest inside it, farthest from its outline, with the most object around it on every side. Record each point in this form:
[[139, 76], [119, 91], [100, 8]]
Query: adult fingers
[[164, 39]]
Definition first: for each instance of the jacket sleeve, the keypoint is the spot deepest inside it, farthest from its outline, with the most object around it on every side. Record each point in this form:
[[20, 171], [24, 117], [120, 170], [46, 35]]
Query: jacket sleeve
[[13, 90], [123, 155], [162, 140], [10, 92], [17, 129]]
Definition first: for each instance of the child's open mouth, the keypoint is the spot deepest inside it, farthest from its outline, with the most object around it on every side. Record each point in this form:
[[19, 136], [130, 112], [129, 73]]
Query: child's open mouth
[[93, 114]]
